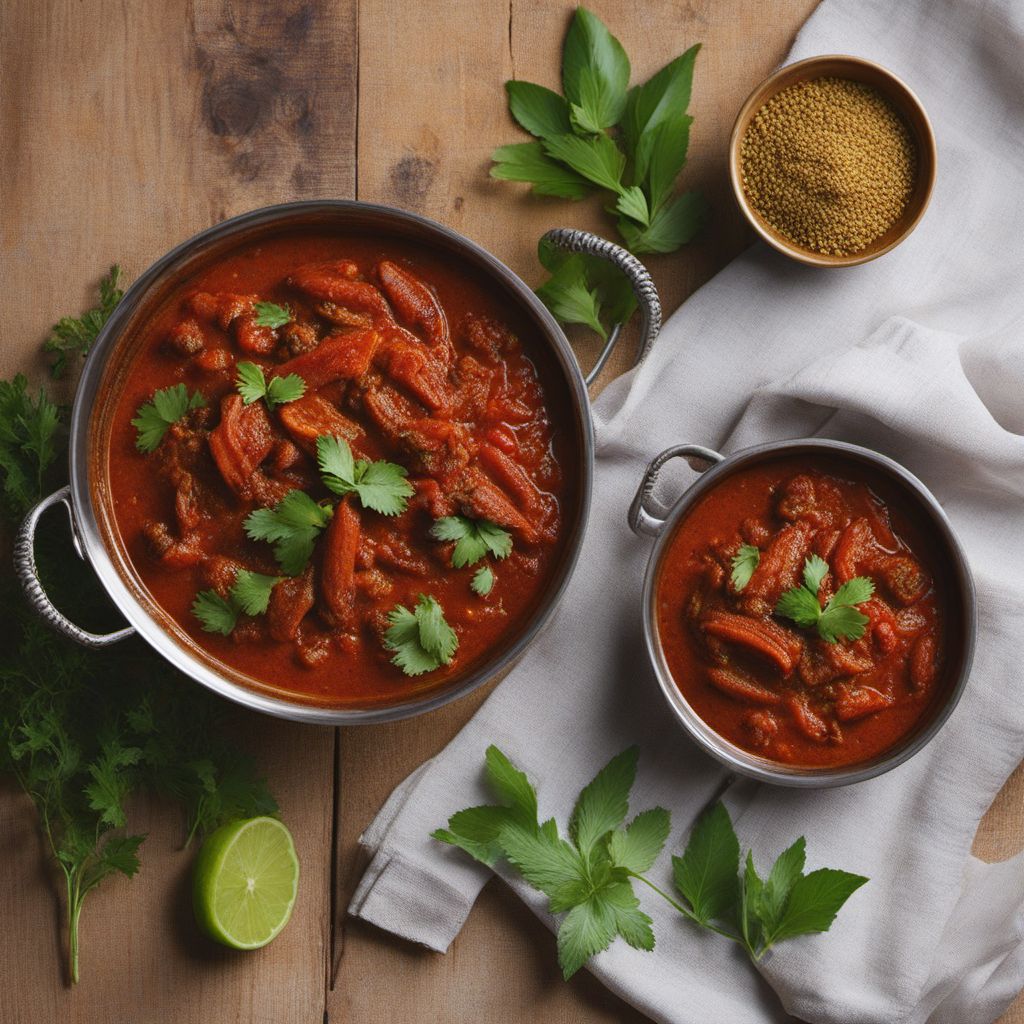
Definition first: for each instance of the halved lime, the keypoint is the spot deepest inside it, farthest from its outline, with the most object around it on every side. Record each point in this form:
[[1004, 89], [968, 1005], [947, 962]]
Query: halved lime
[[245, 881]]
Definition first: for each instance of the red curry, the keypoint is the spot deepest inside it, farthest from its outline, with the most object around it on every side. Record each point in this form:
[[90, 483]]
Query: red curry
[[406, 356], [756, 677]]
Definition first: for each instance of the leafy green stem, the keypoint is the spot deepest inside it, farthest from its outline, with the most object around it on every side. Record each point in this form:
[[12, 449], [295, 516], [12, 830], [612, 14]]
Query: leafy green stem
[[688, 914]]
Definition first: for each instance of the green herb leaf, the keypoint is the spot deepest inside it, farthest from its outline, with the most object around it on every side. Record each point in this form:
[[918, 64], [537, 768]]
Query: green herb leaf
[[269, 314], [787, 869], [29, 432], [671, 226], [483, 581], [569, 298], [511, 785], [215, 613], [595, 70], [381, 486], [706, 874], [751, 889], [800, 605], [75, 335], [421, 639], [815, 570], [841, 622], [252, 385], [587, 930], [251, 591], [855, 591], [839, 619], [167, 406], [633, 203], [527, 161], [604, 802], [475, 830], [636, 847], [814, 900], [615, 299], [744, 562], [474, 539], [292, 526], [663, 155], [540, 111], [596, 158]]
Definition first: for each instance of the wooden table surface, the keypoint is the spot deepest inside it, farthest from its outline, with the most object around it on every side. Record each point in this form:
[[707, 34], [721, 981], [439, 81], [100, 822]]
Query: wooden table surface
[[126, 127]]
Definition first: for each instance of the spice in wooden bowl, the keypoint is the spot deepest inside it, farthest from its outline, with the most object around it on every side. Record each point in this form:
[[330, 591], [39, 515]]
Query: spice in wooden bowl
[[829, 164]]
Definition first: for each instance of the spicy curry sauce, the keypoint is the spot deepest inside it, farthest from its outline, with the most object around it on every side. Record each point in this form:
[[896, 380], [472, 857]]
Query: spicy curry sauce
[[407, 355], [768, 685]]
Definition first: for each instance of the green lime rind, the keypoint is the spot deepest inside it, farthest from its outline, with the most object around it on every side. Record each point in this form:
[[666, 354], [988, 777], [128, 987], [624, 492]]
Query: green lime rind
[[245, 882]]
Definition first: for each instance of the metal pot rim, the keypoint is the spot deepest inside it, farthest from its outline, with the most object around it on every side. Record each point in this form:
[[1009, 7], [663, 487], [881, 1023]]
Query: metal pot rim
[[736, 759], [88, 533]]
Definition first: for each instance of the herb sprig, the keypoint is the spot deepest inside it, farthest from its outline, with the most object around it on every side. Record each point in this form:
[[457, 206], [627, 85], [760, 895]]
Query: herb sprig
[[74, 335], [292, 526], [588, 876], [155, 417], [474, 539], [601, 135], [269, 314], [839, 617], [744, 562], [421, 639], [250, 594], [252, 385], [380, 485]]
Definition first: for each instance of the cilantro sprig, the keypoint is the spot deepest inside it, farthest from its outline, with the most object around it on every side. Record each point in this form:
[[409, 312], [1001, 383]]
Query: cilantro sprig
[[166, 407], [482, 582], [421, 639], [380, 485], [475, 539], [588, 876], [744, 562], [252, 385], [74, 335], [840, 617], [250, 594], [601, 135], [292, 526], [269, 314]]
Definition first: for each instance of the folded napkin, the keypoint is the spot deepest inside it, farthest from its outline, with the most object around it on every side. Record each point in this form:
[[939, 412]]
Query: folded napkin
[[919, 355]]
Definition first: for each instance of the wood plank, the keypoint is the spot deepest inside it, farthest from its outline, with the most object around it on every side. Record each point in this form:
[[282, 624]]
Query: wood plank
[[127, 128]]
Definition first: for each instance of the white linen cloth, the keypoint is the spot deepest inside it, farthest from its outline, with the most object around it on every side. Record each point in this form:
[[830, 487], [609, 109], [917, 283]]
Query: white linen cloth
[[920, 355]]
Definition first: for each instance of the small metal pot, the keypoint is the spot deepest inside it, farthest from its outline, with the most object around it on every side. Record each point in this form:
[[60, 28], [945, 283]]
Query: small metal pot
[[87, 497], [961, 605]]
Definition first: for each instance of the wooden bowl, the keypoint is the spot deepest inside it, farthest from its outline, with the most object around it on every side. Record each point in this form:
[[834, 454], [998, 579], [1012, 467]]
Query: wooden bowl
[[906, 104]]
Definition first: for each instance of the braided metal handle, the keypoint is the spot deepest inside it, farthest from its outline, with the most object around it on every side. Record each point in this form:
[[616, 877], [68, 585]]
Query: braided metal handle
[[640, 520], [25, 567], [643, 288]]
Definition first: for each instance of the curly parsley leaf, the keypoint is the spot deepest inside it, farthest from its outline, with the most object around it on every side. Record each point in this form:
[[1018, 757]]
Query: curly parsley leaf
[[30, 430], [381, 486], [483, 581], [474, 539], [292, 526], [744, 562], [421, 639], [74, 335], [269, 314], [252, 385], [167, 406], [839, 619]]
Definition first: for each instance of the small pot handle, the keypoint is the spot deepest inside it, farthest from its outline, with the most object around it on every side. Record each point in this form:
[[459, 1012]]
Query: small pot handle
[[25, 567], [640, 520], [643, 287]]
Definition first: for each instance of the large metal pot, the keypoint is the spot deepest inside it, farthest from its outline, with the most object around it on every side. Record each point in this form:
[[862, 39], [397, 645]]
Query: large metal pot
[[962, 621], [87, 497]]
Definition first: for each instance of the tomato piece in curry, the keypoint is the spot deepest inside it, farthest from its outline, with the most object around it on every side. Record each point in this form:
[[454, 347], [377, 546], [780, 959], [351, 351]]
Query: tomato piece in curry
[[407, 356], [761, 681]]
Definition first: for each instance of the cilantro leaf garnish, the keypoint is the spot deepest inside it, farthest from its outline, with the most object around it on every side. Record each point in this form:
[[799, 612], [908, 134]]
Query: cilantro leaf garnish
[[744, 562], [589, 876], [269, 314], [252, 385], [292, 526], [421, 639], [167, 406], [839, 619], [381, 486], [250, 593], [474, 539], [75, 335], [483, 581]]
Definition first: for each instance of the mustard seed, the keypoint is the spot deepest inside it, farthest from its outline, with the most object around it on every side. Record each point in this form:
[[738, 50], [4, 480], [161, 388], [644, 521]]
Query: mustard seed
[[829, 164]]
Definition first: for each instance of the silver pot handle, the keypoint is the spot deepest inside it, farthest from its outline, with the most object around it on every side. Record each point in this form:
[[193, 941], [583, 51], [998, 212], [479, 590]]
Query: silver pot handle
[[643, 287], [640, 520], [25, 567]]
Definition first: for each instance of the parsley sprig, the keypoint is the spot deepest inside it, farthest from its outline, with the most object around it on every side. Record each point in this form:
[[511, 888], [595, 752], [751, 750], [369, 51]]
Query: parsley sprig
[[421, 639], [292, 526], [250, 594], [839, 617], [602, 135], [252, 385], [166, 407], [588, 876], [74, 335], [744, 562], [380, 485], [269, 314]]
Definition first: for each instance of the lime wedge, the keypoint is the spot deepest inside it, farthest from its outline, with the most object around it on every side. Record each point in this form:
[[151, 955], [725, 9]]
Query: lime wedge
[[245, 881]]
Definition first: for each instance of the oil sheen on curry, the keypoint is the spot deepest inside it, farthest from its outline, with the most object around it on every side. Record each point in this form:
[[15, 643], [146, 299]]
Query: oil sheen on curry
[[832, 676], [357, 487]]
